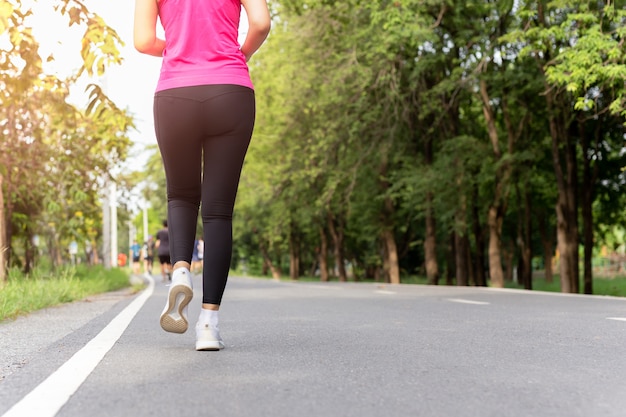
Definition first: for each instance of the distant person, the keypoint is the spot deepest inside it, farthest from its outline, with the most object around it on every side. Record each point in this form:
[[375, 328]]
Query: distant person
[[162, 245], [135, 255], [204, 111], [148, 255], [73, 251], [121, 259], [200, 253], [196, 264]]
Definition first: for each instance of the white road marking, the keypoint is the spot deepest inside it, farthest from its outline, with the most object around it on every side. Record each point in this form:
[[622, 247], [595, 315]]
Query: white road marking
[[463, 301], [617, 318], [385, 292], [49, 396]]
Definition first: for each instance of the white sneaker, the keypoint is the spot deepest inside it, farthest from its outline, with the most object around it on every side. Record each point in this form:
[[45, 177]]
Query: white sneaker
[[174, 315], [208, 337]]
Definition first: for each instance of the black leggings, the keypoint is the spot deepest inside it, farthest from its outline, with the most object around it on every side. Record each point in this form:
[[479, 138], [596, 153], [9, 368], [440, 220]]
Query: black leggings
[[203, 134]]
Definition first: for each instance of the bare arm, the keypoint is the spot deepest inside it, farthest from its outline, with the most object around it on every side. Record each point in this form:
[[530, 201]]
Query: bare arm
[[144, 31], [258, 26]]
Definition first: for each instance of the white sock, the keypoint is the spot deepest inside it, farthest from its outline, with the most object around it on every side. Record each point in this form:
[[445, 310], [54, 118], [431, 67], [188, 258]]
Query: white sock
[[209, 316], [181, 270], [182, 274]]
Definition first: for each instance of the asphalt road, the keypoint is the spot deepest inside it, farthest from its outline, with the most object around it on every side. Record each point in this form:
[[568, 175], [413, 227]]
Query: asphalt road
[[324, 349]]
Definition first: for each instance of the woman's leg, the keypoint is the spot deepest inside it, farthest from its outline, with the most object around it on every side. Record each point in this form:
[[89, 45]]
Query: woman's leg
[[179, 132], [230, 121]]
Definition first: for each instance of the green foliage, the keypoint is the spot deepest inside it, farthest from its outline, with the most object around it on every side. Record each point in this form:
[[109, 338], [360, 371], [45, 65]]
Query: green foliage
[[582, 43], [370, 114], [54, 157]]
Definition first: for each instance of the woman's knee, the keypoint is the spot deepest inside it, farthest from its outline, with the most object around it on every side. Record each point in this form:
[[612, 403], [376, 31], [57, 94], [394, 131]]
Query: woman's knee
[[217, 211]]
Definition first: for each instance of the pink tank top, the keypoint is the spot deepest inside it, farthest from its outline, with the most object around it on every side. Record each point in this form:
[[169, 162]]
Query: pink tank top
[[201, 45]]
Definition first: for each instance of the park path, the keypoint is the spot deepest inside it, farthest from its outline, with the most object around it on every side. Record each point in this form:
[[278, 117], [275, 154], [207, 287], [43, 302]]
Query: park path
[[348, 349]]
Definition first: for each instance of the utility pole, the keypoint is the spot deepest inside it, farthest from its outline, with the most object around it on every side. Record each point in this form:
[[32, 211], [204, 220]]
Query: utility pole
[[145, 222], [106, 231], [3, 245], [113, 208]]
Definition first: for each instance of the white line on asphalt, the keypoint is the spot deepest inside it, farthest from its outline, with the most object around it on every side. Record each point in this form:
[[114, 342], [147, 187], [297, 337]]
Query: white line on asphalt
[[463, 301], [617, 318], [385, 292], [49, 396]]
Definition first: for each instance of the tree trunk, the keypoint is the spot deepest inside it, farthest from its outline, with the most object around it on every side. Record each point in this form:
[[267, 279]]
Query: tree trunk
[[567, 220], [524, 236], [460, 241], [430, 240], [471, 272], [450, 259], [3, 235], [267, 261], [497, 207], [294, 256], [567, 224], [567, 204], [323, 255], [336, 232], [460, 244], [430, 244], [479, 237], [494, 221], [29, 252], [568, 249], [527, 257], [391, 248], [53, 249], [391, 253], [588, 190]]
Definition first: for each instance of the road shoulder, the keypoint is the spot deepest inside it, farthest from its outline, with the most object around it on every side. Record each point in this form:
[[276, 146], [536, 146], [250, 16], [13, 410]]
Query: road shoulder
[[25, 337]]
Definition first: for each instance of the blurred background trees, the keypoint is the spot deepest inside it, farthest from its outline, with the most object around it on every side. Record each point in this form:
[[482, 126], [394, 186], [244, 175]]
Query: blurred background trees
[[460, 141], [465, 142]]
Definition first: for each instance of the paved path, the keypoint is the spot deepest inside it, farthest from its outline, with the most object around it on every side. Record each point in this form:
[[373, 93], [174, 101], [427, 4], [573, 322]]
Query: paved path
[[313, 349]]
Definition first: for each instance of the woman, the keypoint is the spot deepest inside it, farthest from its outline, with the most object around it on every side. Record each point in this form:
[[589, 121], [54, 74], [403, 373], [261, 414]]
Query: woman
[[204, 111], [163, 248]]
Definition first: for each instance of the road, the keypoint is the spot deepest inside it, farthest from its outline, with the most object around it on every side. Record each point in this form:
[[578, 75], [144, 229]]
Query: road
[[323, 349]]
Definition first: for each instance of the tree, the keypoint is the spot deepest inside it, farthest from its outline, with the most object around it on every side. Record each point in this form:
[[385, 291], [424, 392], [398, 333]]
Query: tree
[[409, 135], [578, 48], [69, 149]]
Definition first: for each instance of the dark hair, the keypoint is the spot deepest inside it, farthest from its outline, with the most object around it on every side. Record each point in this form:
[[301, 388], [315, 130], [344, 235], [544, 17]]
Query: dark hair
[[165, 223]]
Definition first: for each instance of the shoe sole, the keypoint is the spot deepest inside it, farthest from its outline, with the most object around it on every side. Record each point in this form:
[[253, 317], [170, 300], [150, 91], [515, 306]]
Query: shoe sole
[[212, 345], [173, 319]]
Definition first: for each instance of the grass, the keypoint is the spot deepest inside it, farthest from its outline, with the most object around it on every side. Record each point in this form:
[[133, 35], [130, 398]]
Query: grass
[[44, 288], [613, 286], [605, 286]]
